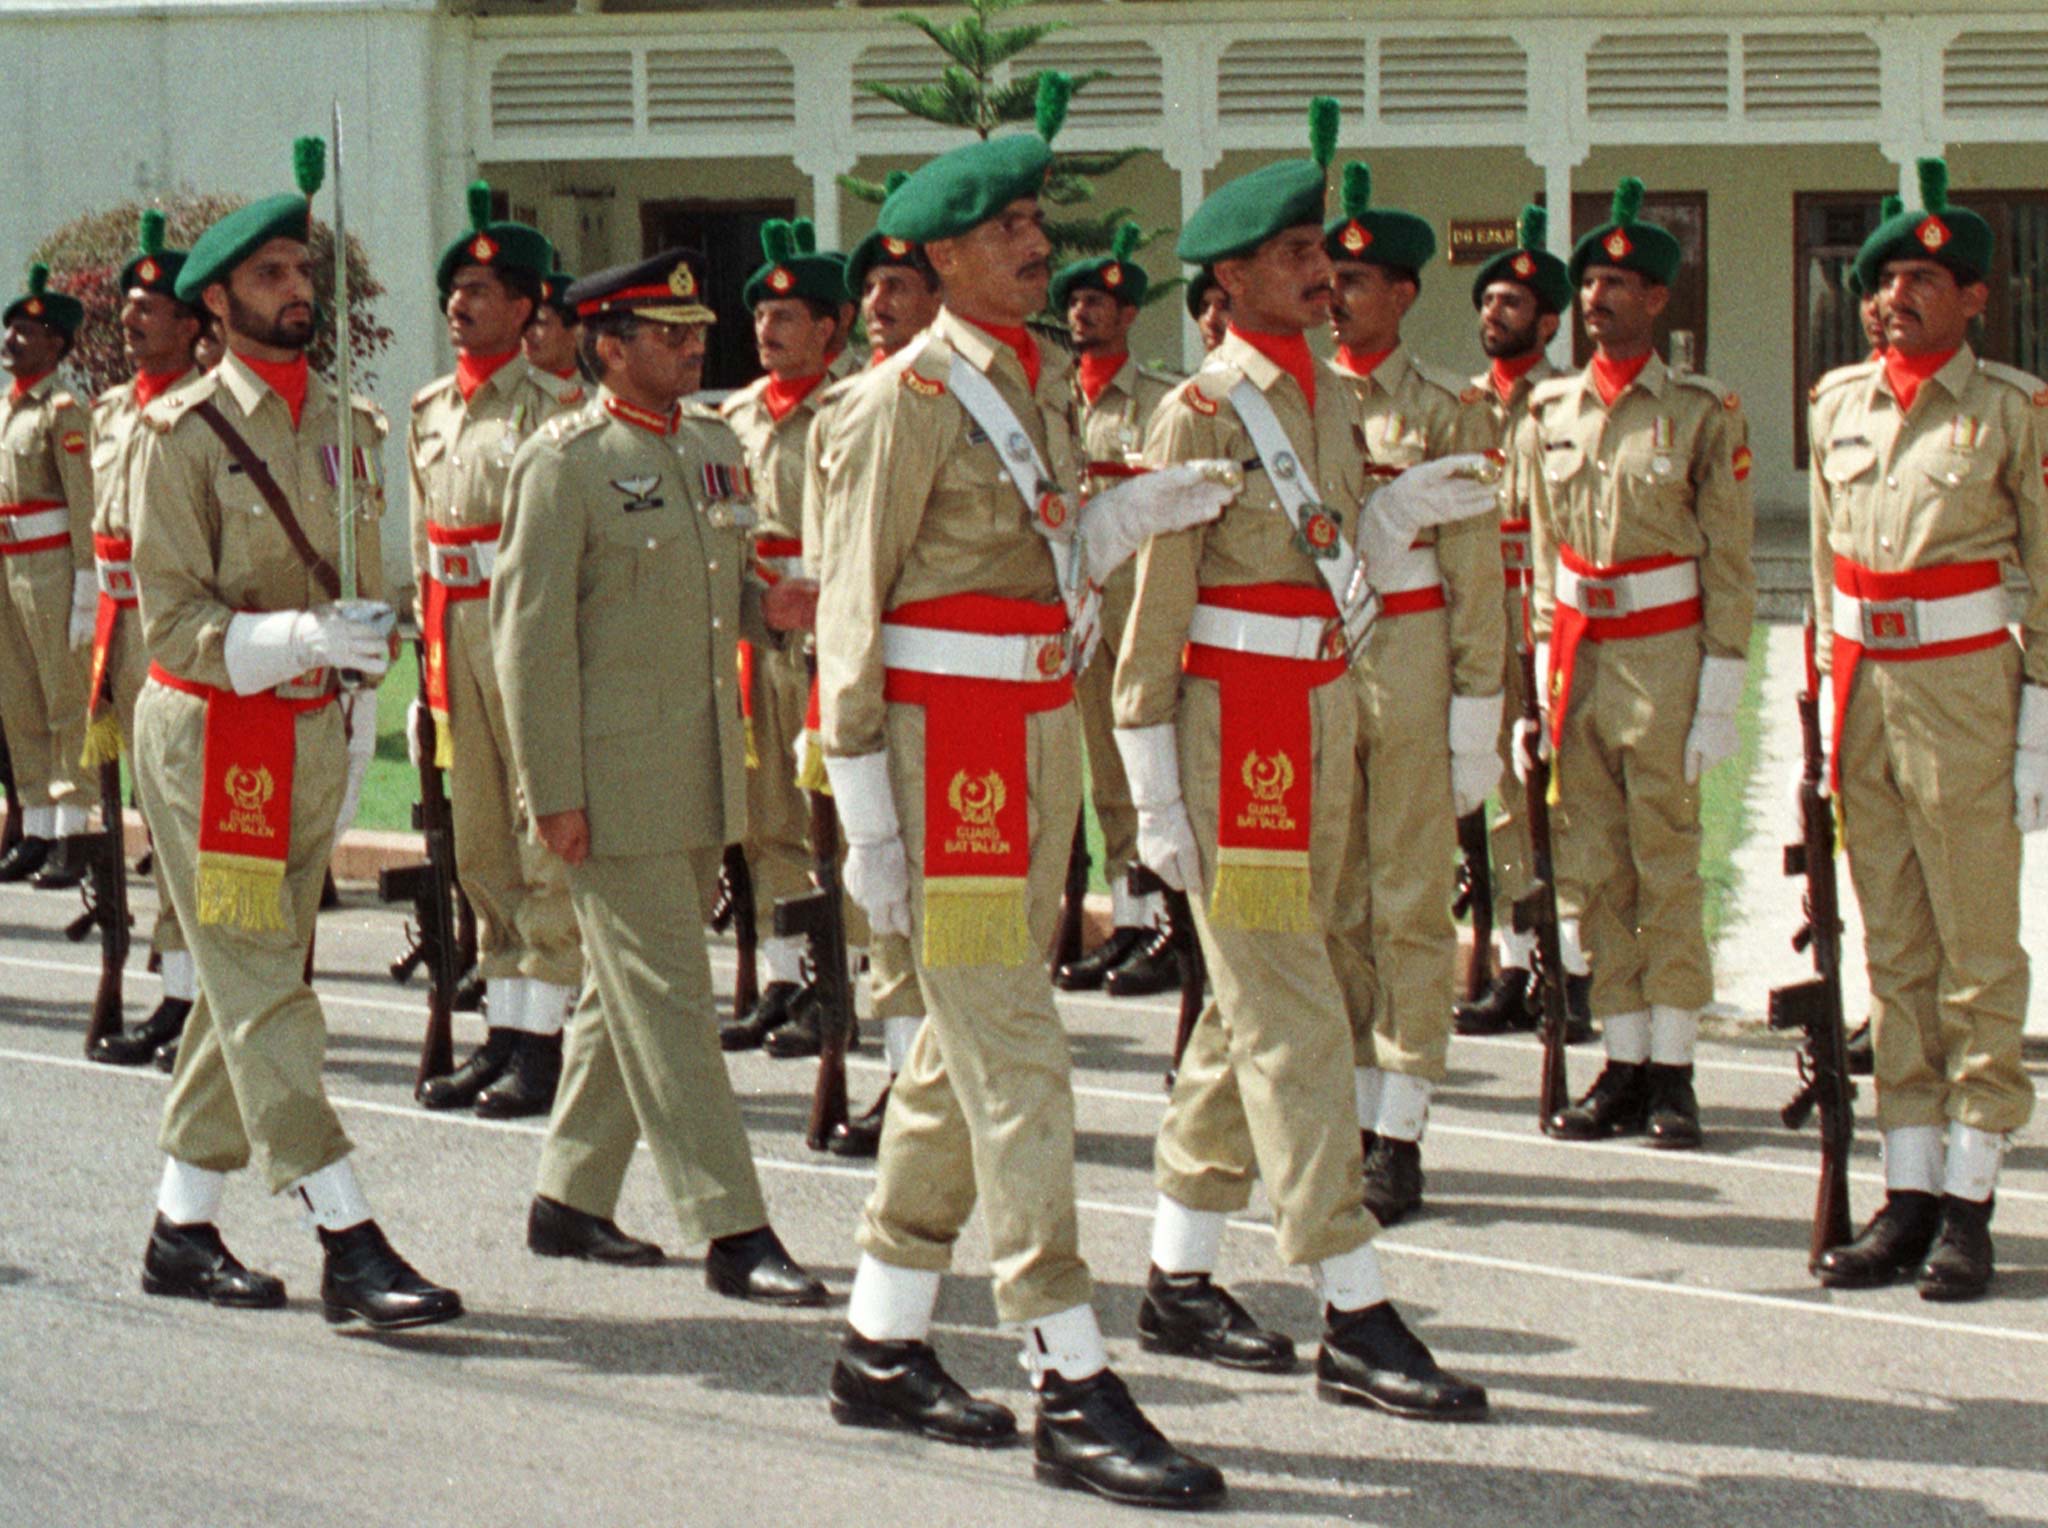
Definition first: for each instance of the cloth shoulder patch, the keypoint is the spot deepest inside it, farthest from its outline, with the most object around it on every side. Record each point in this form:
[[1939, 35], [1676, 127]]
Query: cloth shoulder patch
[[73, 442], [1742, 462], [2012, 376], [923, 386]]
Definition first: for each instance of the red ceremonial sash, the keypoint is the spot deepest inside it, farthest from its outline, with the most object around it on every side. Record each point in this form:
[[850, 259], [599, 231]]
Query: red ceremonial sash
[[117, 593], [1570, 626], [434, 624]]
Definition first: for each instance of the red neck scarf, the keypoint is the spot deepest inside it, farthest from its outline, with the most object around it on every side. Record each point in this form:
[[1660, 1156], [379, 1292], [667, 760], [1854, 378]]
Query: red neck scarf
[[1098, 370], [473, 371], [1021, 341], [877, 356], [22, 384], [646, 419], [783, 396], [567, 373], [1362, 363], [285, 378], [1506, 373], [152, 385], [1613, 376], [1289, 352], [1907, 372]]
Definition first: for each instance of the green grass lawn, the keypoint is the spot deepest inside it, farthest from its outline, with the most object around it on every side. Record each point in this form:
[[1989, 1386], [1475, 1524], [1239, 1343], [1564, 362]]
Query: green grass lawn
[[392, 785]]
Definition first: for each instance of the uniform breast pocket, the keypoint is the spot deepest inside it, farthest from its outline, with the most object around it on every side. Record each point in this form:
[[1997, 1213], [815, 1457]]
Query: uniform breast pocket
[[1847, 469], [1562, 463], [105, 452], [1948, 470]]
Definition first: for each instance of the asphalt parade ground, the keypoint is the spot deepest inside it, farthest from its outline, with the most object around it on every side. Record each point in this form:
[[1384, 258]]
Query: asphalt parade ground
[[1655, 1350]]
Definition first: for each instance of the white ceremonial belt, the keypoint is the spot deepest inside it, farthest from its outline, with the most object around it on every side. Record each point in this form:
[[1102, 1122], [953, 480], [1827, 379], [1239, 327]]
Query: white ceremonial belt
[[1627, 593], [975, 654], [1413, 568], [1514, 549], [35, 526], [463, 565], [781, 567], [1268, 636], [1900, 625], [117, 579]]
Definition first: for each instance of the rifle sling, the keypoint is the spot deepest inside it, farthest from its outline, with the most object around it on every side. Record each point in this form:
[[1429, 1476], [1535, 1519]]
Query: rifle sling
[[266, 485]]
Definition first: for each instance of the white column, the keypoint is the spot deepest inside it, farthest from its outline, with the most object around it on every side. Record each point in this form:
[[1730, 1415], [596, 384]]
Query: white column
[[824, 125], [1188, 76], [1557, 80]]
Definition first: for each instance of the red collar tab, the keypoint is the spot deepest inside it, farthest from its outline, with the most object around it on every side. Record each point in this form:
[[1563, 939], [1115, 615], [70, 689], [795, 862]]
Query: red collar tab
[[646, 419], [1611, 377], [285, 378], [1905, 372], [152, 385], [1289, 352], [567, 373], [781, 397], [1021, 341], [1098, 371], [473, 371], [1506, 373], [22, 384], [1362, 363]]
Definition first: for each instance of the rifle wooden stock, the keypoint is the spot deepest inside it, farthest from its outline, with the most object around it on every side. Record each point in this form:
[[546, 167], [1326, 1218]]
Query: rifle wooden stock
[[739, 893], [1536, 912], [1066, 938], [1475, 896], [821, 918], [106, 908]]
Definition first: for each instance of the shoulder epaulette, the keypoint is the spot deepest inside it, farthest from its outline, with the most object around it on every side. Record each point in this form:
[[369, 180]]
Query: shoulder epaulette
[[1727, 397], [114, 396], [363, 403], [432, 390], [1205, 391], [839, 387], [567, 392], [746, 395], [921, 367], [164, 412], [2012, 376], [564, 428], [61, 400], [1163, 375], [1552, 388], [1840, 375], [1438, 376]]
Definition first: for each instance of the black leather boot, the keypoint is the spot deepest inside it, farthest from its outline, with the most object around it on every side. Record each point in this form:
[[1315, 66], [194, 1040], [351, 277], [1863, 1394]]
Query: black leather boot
[[860, 1138], [1890, 1246], [1618, 1103], [1674, 1111], [1859, 1051], [554, 1229], [776, 1008], [1091, 1436], [365, 1279], [24, 859], [1370, 1358], [900, 1385], [193, 1263], [1153, 967], [1393, 1179], [167, 1054], [755, 1266], [1190, 1314], [1504, 1008], [137, 1047], [1959, 1267], [1089, 972], [1578, 1009], [485, 1064], [803, 1035], [67, 863], [527, 1086]]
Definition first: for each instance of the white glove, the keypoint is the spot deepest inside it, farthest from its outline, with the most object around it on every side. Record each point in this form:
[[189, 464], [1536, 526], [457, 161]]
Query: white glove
[[416, 724], [1475, 750], [359, 717], [263, 650], [1433, 493], [877, 875], [1119, 520], [1531, 740], [1714, 735], [1166, 839], [85, 605], [2030, 761]]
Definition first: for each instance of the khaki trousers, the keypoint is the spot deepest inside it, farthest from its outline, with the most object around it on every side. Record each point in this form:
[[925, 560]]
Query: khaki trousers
[[640, 1056], [892, 977], [1927, 813], [1107, 787], [1628, 825], [1396, 948], [1265, 1085], [984, 1106], [778, 839], [42, 680], [1513, 856], [525, 925], [128, 667], [248, 1075]]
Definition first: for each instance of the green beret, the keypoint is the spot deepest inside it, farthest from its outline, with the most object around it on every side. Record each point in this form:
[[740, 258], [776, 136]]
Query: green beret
[[1887, 209], [234, 238], [1240, 215], [1112, 273], [1197, 288], [59, 310], [1372, 235], [796, 267], [499, 246], [154, 268], [1531, 263], [1627, 242], [963, 189], [1951, 236]]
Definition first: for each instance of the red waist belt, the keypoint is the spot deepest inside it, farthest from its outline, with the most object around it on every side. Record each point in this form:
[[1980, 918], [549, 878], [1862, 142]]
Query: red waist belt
[[34, 525], [460, 552], [1585, 589], [113, 558]]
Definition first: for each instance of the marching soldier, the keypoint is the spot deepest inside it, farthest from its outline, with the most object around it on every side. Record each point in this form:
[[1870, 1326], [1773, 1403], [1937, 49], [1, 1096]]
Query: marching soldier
[[1640, 529], [158, 334], [1209, 306], [240, 759], [46, 618], [795, 299], [549, 342], [1100, 297], [466, 429], [1429, 684], [620, 585], [1930, 486], [945, 688], [1238, 726], [1521, 294]]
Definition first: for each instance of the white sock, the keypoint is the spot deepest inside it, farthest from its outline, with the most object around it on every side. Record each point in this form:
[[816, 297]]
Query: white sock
[[784, 957], [1404, 1107], [1628, 1036], [1350, 1280], [72, 818], [330, 1197], [180, 976], [1973, 1158], [1569, 949], [39, 821], [1067, 1343], [1365, 1088], [1912, 1159], [897, 1034], [891, 1304], [188, 1195], [1130, 910], [505, 1002], [1673, 1034], [541, 1009], [1185, 1240], [1516, 950]]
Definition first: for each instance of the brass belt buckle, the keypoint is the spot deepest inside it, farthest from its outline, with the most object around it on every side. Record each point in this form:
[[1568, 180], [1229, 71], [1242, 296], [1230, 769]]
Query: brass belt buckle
[[1889, 624]]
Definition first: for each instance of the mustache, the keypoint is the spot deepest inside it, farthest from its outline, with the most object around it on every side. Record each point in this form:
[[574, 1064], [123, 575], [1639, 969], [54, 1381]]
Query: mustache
[[1035, 268]]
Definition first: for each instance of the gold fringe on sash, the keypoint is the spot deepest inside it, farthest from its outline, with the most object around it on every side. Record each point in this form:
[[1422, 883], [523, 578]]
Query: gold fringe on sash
[[444, 742], [972, 920], [753, 751], [102, 739], [241, 891], [1262, 890], [810, 775]]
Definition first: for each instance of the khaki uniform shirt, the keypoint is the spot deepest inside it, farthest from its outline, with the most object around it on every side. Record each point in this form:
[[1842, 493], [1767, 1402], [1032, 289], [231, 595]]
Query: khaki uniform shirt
[[43, 455], [1961, 478], [775, 451], [1113, 426], [115, 426], [1661, 473], [920, 507], [1514, 429], [1252, 541], [815, 531], [207, 546], [621, 586]]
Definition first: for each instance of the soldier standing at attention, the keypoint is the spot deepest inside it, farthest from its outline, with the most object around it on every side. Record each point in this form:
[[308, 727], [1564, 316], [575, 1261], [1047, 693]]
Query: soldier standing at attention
[[549, 342], [158, 333], [466, 429], [621, 583], [1209, 306], [795, 299], [1100, 297], [46, 616], [1429, 688], [1930, 486], [1640, 526], [240, 758], [1522, 295]]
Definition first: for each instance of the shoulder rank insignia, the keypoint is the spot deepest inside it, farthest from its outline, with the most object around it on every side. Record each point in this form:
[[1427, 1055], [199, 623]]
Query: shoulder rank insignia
[[924, 387], [639, 492]]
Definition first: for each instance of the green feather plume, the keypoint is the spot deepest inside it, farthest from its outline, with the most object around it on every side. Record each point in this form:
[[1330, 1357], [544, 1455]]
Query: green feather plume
[[1322, 129], [1125, 243], [1534, 231], [149, 233], [309, 164], [479, 205], [38, 279], [804, 234], [1055, 90], [778, 241], [1357, 189], [1628, 200], [1890, 208], [1934, 184], [896, 179]]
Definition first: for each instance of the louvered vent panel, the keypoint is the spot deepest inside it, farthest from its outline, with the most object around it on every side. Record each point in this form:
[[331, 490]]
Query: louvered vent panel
[[1134, 90], [1809, 74], [1996, 71], [891, 64], [1658, 74], [1268, 80], [1438, 79], [563, 93], [718, 89]]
